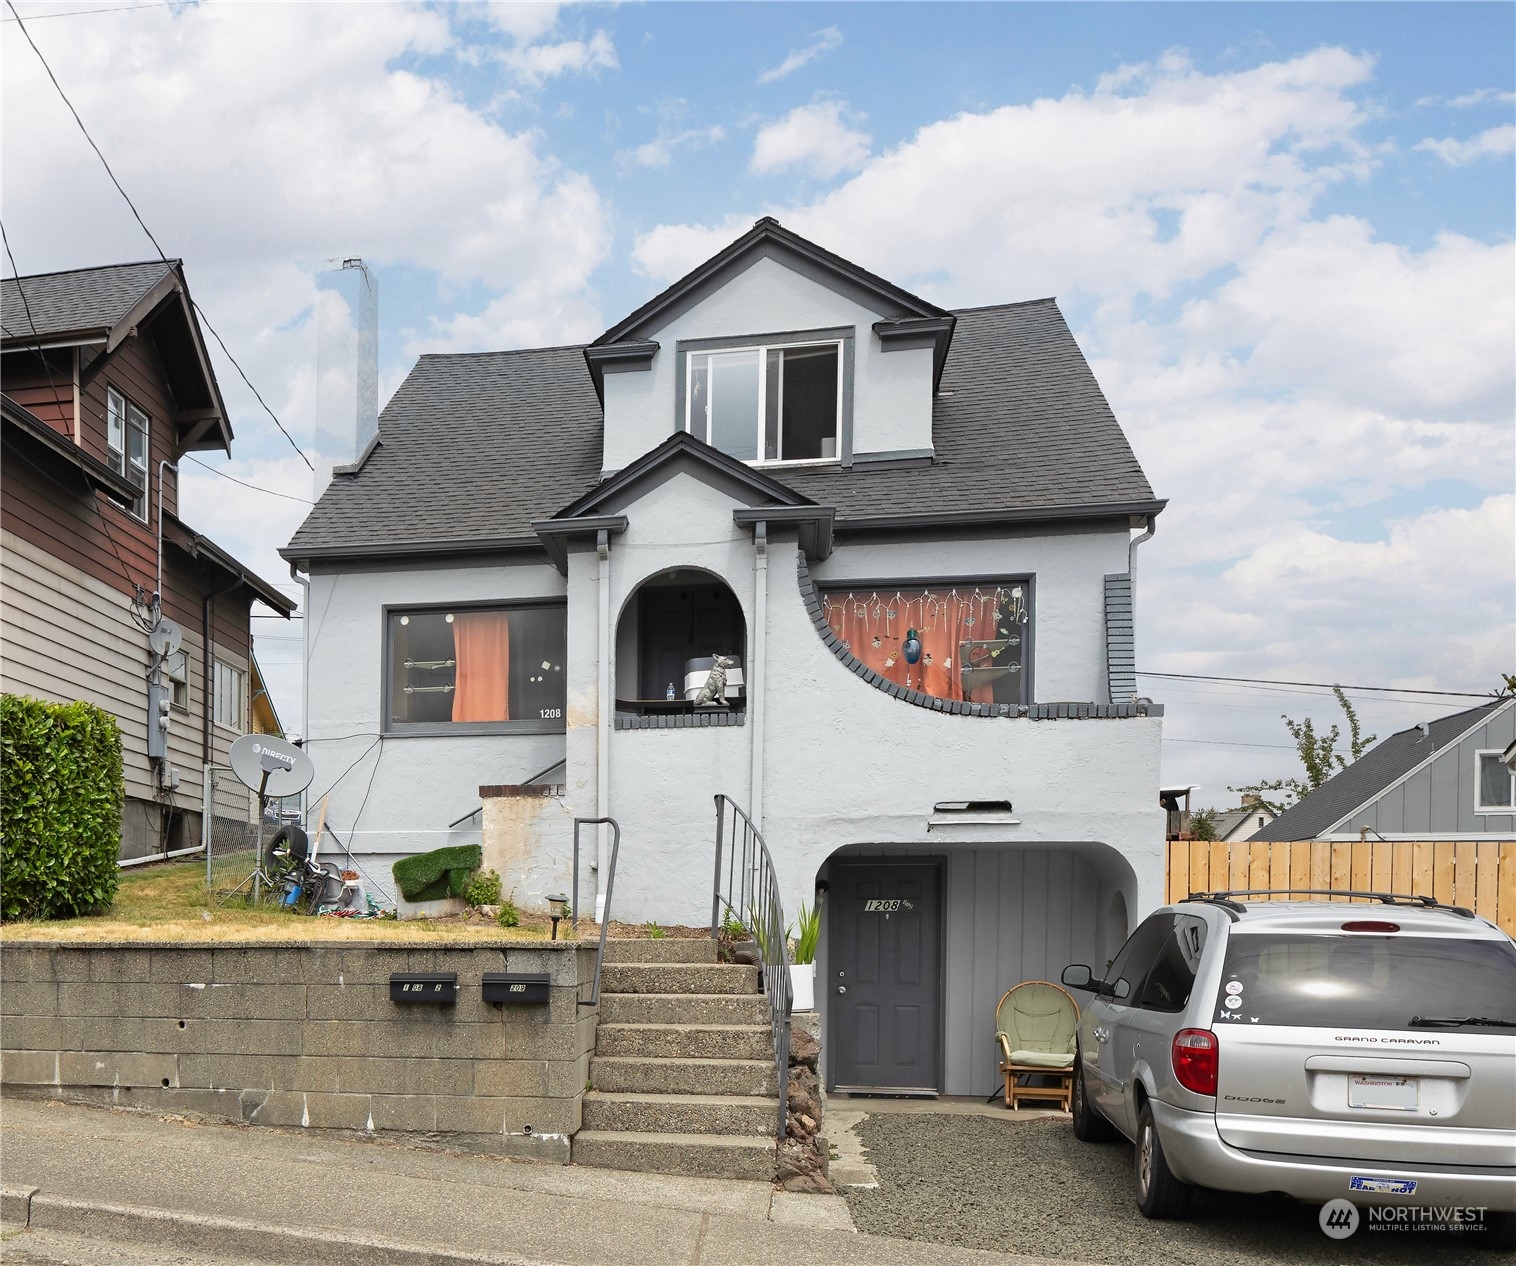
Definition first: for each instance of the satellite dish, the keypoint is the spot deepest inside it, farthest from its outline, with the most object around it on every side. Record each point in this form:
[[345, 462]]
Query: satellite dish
[[287, 768], [165, 639]]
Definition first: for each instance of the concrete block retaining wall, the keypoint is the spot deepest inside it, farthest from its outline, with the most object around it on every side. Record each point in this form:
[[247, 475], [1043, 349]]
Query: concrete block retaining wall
[[305, 1036]]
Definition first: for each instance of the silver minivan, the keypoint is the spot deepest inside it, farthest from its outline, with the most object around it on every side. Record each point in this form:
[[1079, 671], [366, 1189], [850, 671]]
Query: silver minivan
[[1319, 1049]]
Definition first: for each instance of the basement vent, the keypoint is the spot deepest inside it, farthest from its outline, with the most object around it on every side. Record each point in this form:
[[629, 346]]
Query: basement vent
[[972, 806]]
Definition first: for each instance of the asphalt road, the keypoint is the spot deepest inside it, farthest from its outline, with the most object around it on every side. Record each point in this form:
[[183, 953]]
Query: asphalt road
[[1031, 1187]]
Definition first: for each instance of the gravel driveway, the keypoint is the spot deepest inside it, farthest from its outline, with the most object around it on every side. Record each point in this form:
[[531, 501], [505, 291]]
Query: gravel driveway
[[1031, 1187]]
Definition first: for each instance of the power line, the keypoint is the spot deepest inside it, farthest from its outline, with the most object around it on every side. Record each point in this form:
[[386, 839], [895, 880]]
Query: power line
[[222, 343], [1322, 685], [268, 491], [138, 217], [1278, 747], [74, 13]]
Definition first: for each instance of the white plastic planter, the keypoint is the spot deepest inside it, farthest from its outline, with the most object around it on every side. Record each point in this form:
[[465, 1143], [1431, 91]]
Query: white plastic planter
[[803, 984]]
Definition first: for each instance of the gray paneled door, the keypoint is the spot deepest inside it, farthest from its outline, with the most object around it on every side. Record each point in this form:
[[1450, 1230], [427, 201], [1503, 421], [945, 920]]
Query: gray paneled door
[[885, 976]]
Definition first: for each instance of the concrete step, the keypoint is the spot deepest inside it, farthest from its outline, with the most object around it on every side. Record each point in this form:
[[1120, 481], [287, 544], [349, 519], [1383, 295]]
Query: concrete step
[[675, 1008], [629, 1074], [691, 1041], [681, 1114], [696, 1155], [678, 978], [666, 949]]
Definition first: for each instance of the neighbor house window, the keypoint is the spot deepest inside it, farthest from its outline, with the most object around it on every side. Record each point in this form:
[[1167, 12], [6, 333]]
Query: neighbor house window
[[126, 437], [1496, 791], [487, 665], [771, 404], [974, 637], [176, 669], [228, 696]]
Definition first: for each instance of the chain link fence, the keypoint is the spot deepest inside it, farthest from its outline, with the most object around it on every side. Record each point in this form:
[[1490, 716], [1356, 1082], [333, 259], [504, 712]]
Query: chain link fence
[[230, 834]]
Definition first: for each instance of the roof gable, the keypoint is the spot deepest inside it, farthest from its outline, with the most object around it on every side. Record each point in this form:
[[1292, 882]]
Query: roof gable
[[682, 453], [103, 307], [1379, 770], [769, 239]]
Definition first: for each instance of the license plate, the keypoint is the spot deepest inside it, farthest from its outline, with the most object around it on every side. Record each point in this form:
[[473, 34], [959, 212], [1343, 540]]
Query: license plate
[[1394, 1094]]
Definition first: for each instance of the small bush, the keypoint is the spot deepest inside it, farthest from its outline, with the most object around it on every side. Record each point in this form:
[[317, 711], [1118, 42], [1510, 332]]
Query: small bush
[[509, 916], [61, 792], [482, 889], [654, 932]]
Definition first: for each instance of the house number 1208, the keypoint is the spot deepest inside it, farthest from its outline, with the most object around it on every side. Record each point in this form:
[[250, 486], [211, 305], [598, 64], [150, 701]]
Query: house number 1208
[[883, 907], [551, 714]]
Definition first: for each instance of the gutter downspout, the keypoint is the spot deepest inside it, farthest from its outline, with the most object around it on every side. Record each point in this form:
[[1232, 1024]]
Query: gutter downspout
[[755, 668], [305, 670], [158, 590], [603, 723], [1131, 570]]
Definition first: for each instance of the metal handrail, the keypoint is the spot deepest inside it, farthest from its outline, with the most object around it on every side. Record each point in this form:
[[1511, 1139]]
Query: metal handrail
[[610, 886], [751, 895]]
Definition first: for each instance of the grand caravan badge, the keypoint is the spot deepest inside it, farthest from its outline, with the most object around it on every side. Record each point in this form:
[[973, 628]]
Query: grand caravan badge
[[886, 907]]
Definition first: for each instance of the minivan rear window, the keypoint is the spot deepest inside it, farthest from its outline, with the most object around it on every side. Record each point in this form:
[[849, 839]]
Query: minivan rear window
[[1418, 984]]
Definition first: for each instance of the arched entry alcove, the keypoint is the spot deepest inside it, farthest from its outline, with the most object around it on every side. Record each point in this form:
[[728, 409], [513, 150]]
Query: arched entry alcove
[[669, 630], [919, 943]]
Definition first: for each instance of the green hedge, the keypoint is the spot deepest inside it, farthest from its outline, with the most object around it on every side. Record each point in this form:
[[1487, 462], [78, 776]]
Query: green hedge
[[61, 791], [444, 872]]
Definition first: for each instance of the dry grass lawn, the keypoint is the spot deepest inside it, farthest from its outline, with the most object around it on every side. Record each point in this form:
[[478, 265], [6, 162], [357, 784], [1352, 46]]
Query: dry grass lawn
[[169, 902]]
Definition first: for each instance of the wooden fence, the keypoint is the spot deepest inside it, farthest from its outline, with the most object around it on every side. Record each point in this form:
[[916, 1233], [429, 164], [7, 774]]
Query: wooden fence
[[1479, 874]]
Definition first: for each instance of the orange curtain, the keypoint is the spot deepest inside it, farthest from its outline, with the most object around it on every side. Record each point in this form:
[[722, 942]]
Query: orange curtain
[[876, 626], [482, 647]]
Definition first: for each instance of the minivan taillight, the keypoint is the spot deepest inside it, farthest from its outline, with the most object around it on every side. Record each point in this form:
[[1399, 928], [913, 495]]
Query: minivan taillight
[[1195, 1055]]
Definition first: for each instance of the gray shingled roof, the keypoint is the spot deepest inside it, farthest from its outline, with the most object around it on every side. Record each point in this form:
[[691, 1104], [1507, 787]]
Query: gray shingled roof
[[82, 299], [474, 448], [1372, 773], [1026, 426]]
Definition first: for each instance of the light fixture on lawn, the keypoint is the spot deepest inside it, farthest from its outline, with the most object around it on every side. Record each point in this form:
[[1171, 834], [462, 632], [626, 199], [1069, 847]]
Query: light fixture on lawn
[[557, 908]]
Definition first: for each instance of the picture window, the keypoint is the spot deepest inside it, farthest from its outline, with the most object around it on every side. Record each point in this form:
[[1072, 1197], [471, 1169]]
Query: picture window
[[483, 666], [975, 638]]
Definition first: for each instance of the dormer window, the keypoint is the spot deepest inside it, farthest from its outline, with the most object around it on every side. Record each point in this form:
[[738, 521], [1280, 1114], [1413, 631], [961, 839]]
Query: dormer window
[[767, 403]]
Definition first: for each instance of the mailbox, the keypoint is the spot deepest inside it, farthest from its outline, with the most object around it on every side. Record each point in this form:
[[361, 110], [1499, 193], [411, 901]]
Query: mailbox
[[515, 988], [424, 988]]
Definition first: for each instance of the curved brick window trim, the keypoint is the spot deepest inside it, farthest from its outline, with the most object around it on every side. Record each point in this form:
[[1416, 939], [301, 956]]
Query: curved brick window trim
[[1035, 712]]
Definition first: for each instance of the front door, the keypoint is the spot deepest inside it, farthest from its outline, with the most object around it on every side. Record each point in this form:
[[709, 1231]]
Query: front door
[[885, 969]]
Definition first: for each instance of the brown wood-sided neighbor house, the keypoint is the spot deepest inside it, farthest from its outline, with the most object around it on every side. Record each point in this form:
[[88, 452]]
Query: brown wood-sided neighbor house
[[106, 385]]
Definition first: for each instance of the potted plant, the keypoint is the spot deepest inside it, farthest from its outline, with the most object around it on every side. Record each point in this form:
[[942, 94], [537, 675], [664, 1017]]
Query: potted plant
[[803, 957]]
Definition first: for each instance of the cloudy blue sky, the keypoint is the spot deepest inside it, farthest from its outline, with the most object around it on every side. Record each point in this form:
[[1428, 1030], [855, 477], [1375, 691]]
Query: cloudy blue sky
[[1282, 234]]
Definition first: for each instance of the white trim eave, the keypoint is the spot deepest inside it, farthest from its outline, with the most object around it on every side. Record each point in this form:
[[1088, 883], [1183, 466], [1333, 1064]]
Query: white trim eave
[[1411, 773], [1419, 837]]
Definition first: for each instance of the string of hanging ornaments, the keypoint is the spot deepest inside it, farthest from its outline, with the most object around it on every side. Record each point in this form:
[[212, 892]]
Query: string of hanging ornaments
[[997, 612]]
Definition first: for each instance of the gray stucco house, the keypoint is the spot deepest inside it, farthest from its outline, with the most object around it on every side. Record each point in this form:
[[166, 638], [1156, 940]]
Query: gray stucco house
[[1445, 779], [912, 530]]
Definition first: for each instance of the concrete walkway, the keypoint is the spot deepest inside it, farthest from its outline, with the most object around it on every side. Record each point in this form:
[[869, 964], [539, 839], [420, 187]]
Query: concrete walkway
[[291, 1197]]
